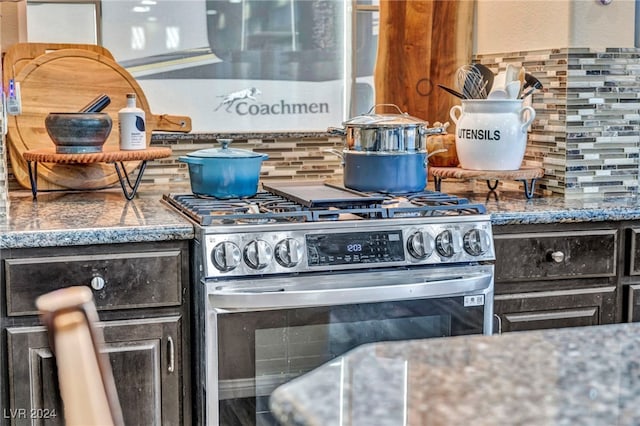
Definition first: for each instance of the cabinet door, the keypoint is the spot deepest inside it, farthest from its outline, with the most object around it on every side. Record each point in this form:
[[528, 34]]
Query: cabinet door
[[633, 300], [553, 309], [146, 366]]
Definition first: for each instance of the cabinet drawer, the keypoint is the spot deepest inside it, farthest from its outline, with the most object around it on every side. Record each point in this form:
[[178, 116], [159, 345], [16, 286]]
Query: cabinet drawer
[[130, 280], [554, 255], [553, 309]]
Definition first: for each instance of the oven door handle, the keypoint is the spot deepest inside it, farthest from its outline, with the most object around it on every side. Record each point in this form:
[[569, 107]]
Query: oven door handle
[[458, 286]]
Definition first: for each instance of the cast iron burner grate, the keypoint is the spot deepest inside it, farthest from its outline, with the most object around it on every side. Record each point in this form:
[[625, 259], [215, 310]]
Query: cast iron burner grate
[[266, 207]]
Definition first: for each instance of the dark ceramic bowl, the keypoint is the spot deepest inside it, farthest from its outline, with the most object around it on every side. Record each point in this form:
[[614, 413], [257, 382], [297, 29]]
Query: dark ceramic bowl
[[78, 132]]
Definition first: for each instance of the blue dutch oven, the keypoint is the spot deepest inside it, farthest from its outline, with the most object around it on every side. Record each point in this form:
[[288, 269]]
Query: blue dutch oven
[[224, 172]]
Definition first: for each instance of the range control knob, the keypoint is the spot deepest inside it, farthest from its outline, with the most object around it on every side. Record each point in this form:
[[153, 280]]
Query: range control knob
[[476, 242], [288, 252], [226, 256], [448, 243], [420, 244], [258, 254]]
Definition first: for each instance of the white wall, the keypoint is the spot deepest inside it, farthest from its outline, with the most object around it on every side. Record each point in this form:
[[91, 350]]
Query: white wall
[[514, 25]]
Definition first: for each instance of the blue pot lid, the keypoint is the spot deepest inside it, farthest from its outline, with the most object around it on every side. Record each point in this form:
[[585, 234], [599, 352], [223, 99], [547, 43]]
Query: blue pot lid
[[225, 152]]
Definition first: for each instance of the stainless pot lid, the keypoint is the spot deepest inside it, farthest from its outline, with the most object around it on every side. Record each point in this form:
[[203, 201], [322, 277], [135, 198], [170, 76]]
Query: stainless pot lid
[[372, 119], [225, 152]]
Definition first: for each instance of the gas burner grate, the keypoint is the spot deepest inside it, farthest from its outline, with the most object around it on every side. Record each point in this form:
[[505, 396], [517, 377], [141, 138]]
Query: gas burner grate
[[429, 203], [262, 208], [267, 207]]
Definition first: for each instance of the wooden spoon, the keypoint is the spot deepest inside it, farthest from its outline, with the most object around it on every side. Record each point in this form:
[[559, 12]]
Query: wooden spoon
[[521, 73]]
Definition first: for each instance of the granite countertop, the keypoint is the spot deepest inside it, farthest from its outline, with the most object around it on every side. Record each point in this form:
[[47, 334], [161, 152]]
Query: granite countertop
[[510, 207], [100, 217], [574, 376], [96, 217]]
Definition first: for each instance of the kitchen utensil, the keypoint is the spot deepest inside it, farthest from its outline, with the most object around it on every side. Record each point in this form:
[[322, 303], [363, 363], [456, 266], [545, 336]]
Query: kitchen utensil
[[491, 134], [57, 80], [498, 93], [487, 75], [532, 84], [451, 91], [385, 132], [499, 82], [78, 132], [531, 81], [387, 172], [471, 82], [521, 74], [97, 104], [224, 172], [513, 89], [511, 74]]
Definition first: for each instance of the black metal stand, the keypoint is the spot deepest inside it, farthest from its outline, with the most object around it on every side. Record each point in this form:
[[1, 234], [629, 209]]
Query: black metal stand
[[529, 190], [128, 189]]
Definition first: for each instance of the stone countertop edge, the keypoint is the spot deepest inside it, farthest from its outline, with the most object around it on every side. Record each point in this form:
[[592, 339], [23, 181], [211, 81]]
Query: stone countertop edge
[[585, 375], [79, 237], [565, 216], [103, 217], [99, 217]]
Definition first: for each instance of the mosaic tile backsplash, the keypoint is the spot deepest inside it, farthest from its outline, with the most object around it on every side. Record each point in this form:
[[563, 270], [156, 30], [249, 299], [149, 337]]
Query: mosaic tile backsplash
[[586, 135], [291, 156]]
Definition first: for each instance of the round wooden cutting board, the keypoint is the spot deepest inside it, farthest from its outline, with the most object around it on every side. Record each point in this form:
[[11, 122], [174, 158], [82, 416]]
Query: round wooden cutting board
[[64, 81]]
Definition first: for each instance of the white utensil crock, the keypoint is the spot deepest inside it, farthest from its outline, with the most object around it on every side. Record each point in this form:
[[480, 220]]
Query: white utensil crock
[[491, 134]]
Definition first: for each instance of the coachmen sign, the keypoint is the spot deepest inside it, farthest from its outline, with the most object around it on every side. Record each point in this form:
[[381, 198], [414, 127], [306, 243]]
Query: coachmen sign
[[245, 102]]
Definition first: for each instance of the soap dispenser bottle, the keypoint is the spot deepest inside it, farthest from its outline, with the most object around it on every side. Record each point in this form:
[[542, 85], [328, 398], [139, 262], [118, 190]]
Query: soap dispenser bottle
[[131, 125]]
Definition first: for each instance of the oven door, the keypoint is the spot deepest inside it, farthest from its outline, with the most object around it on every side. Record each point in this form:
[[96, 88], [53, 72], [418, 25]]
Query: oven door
[[264, 332]]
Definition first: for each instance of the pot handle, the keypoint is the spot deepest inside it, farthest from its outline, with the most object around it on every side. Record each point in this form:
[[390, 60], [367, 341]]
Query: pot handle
[[529, 120], [336, 153], [337, 131], [433, 131], [452, 113], [190, 160], [437, 151], [373, 108], [426, 158]]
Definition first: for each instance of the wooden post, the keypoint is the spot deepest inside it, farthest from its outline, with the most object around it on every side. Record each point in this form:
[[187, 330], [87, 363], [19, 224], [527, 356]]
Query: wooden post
[[421, 44]]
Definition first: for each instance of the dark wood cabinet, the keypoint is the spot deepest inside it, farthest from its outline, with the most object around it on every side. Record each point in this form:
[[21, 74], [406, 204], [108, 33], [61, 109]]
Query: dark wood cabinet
[[145, 359], [631, 303], [142, 300], [553, 309], [550, 276]]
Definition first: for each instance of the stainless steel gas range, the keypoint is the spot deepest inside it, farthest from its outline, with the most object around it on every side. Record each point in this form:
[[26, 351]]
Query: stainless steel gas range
[[303, 272]]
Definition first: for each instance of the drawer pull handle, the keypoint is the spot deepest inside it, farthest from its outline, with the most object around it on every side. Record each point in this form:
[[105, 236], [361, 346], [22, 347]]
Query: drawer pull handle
[[170, 349], [97, 283], [557, 256], [498, 321]]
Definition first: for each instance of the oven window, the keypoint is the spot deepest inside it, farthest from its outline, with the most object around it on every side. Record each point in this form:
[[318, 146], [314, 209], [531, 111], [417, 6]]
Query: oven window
[[258, 351]]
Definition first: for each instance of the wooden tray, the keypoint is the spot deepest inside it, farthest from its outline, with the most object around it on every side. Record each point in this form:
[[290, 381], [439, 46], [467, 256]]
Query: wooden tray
[[526, 175], [66, 80]]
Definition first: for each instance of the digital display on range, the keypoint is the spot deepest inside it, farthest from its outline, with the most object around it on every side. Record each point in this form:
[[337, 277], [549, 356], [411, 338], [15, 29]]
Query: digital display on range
[[354, 247]]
